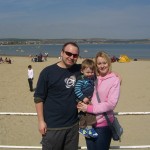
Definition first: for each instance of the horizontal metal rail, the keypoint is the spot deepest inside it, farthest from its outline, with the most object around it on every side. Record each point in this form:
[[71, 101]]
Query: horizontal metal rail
[[35, 114], [84, 147]]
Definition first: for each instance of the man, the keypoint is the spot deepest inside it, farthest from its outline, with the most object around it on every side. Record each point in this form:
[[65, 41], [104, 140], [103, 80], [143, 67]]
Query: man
[[55, 102]]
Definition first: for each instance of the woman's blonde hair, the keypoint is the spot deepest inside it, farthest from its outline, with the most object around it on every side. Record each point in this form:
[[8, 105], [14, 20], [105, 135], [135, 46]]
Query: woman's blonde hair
[[105, 56]]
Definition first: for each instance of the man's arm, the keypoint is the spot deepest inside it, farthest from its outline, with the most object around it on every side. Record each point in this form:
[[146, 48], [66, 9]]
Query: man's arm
[[41, 122]]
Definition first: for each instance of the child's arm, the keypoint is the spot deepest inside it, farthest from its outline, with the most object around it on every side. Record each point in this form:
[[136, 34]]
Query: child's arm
[[78, 90]]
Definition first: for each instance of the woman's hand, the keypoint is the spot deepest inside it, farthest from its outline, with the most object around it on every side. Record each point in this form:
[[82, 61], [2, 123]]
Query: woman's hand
[[82, 107]]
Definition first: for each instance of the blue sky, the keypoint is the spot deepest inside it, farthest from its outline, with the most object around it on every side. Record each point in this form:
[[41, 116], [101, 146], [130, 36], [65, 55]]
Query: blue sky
[[54, 19]]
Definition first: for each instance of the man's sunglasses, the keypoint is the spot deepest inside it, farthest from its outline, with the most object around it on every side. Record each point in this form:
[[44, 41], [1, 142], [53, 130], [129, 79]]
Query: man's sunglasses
[[70, 54]]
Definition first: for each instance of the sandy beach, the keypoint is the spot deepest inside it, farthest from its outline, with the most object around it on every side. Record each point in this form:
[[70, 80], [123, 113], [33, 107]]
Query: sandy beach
[[16, 97]]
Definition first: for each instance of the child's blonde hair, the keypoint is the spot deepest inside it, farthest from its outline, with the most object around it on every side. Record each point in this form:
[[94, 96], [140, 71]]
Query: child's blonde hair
[[88, 63]]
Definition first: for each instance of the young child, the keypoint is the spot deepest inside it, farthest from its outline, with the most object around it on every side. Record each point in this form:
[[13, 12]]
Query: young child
[[84, 90], [30, 77]]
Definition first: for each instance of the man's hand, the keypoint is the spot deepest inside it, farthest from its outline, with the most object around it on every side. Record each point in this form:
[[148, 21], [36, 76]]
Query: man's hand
[[42, 127]]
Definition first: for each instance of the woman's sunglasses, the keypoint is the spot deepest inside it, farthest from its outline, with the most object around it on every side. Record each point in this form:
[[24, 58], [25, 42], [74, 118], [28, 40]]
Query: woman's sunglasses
[[70, 54]]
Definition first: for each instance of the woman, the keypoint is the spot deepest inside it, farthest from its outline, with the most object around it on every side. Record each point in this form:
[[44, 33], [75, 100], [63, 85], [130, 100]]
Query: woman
[[108, 89]]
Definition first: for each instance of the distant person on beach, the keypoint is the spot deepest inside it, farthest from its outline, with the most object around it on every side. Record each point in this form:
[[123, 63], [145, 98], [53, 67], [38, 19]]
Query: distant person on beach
[[108, 90], [6, 60], [55, 101], [84, 89], [1, 60], [45, 56], [30, 77], [9, 61], [40, 57]]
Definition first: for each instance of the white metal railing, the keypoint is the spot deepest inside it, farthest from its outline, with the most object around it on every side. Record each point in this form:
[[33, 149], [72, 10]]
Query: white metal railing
[[83, 147], [80, 147], [34, 114]]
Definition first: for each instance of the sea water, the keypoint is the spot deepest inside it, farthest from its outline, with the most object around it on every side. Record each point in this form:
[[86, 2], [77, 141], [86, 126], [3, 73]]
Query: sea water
[[138, 51]]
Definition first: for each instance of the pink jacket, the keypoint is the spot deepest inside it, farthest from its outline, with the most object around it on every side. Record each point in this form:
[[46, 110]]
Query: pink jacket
[[109, 91]]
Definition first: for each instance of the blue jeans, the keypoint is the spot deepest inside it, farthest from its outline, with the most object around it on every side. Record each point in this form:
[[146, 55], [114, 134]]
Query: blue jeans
[[102, 142]]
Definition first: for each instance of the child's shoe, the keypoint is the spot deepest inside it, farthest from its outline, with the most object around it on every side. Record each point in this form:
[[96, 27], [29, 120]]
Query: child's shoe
[[92, 133], [84, 132]]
